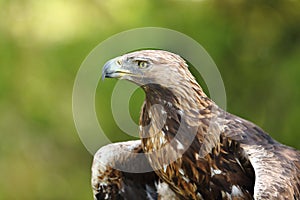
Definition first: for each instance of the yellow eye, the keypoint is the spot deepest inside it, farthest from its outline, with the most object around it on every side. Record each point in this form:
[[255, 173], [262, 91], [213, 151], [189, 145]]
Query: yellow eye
[[142, 64]]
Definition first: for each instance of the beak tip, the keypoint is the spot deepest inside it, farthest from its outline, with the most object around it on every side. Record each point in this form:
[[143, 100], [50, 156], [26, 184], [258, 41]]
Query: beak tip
[[105, 69], [103, 76]]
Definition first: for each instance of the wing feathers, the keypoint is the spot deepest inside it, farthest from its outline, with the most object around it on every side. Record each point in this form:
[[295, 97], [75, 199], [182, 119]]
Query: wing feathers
[[108, 182]]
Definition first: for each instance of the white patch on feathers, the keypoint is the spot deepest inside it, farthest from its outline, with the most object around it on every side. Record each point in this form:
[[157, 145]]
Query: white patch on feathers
[[167, 127], [236, 191], [181, 171], [164, 191], [169, 104], [186, 179], [215, 171], [179, 145], [165, 168], [180, 112]]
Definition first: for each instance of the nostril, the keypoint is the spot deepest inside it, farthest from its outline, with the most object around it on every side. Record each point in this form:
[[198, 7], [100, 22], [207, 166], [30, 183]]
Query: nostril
[[119, 62]]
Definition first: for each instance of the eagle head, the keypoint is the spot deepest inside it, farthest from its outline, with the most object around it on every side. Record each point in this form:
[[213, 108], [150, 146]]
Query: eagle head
[[148, 67]]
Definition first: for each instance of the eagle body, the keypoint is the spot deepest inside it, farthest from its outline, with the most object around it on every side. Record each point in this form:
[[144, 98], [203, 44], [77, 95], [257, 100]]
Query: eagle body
[[196, 149]]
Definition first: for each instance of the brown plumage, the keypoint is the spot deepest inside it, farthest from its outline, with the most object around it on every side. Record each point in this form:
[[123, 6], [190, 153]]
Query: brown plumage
[[198, 150], [109, 182]]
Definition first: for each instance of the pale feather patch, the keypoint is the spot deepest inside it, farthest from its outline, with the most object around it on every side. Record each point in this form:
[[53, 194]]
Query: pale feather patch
[[186, 179], [180, 112], [199, 195], [150, 114], [165, 167], [238, 120], [181, 171], [215, 171], [239, 163], [107, 155], [236, 191], [152, 140], [225, 195], [162, 140], [197, 156], [163, 111], [169, 104], [179, 145], [167, 127], [164, 192]]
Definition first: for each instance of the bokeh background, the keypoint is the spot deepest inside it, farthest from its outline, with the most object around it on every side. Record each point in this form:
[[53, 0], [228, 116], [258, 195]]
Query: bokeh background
[[255, 44]]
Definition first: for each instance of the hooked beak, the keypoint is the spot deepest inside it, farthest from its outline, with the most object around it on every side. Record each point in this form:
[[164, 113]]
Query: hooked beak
[[113, 69]]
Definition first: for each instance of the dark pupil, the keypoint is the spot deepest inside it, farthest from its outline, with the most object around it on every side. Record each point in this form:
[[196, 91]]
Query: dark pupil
[[142, 64]]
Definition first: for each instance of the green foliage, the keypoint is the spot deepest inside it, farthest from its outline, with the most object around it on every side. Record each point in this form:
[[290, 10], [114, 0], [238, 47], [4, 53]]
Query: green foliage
[[255, 44]]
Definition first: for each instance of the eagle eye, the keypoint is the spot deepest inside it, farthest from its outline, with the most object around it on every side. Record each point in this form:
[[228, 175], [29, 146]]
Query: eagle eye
[[142, 64]]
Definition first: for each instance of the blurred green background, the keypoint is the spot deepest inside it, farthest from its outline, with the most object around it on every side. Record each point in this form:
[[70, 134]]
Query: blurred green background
[[255, 44]]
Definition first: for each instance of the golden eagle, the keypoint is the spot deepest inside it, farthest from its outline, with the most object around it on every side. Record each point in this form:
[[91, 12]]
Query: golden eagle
[[216, 155]]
